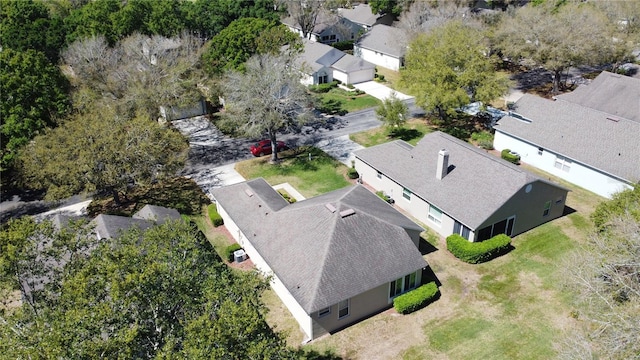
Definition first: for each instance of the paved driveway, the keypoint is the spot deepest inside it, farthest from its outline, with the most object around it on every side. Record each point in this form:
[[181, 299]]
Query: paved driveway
[[379, 90]]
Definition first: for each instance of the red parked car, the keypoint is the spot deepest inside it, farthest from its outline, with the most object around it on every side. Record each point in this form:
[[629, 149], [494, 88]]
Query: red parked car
[[263, 147]]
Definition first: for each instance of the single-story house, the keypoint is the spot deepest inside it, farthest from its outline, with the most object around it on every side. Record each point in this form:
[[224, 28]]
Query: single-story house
[[362, 15], [328, 28], [454, 187], [382, 45], [323, 64], [589, 137], [109, 226], [333, 259]]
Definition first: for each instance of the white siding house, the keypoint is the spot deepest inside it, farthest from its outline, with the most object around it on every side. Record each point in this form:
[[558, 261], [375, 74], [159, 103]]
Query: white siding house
[[322, 252], [593, 149], [382, 45]]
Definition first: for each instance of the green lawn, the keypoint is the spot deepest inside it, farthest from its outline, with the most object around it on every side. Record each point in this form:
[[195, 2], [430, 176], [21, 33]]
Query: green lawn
[[312, 177], [348, 100], [412, 132]]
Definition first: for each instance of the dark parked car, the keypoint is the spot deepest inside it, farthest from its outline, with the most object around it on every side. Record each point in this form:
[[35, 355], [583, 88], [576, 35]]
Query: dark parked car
[[263, 147]]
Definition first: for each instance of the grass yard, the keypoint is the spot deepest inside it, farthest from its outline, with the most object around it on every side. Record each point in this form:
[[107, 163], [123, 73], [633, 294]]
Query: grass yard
[[312, 177], [392, 80], [513, 307], [348, 100], [414, 130]]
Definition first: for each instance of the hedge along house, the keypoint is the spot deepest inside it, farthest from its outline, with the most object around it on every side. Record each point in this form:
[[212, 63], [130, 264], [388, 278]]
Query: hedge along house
[[589, 137], [333, 259], [454, 187]]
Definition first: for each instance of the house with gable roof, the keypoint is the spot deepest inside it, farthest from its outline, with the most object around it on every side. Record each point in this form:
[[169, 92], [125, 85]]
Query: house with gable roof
[[456, 188], [362, 15], [328, 28], [323, 64], [382, 45], [333, 259], [110, 226], [589, 137]]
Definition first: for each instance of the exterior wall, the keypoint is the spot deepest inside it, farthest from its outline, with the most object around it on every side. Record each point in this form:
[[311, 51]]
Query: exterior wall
[[528, 204], [285, 296], [579, 174], [377, 58], [355, 76], [177, 113], [416, 207], [360, 307]]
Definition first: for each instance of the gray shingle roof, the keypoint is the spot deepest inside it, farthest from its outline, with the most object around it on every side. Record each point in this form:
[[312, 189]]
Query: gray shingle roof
[[476, 186], [110, 226], [349, 63], [158, 214], [318, 55], [360, 14], [579, 133], [320, 256], [385, 39], [614, 94]]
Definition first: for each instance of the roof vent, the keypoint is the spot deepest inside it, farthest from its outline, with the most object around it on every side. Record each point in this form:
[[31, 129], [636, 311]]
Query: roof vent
[[345, 213], [612, 119], [248, 192], [330, 207]]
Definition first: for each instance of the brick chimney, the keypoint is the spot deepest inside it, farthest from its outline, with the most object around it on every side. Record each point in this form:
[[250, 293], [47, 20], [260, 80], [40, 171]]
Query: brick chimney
[[443, 164]]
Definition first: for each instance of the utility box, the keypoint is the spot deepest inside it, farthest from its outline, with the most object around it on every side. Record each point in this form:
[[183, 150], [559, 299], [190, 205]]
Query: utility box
[[239, 255]]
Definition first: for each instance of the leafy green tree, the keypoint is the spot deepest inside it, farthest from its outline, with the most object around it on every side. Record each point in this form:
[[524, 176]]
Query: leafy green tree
[[558, 38], [386, 7], [166, 18], [448, 69], [267, 98], [100, 151], [393, 112], [34, 97], [132, 17], [161, 293], [234, 45], [27, 25], [93, 19]]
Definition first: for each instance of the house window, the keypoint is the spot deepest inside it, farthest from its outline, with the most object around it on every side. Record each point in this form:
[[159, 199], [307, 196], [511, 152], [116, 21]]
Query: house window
[[501, 227], [540, 150], [562, 163], [379, 175], [406, 193], [343, 308], [402, 285], [332, 37], [460, 229], [435, 214], [324, 312], [547, 208], [325, 38]]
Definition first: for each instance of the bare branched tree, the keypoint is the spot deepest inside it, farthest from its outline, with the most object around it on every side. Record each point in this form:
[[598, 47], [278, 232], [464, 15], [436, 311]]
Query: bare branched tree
[[267, 98]]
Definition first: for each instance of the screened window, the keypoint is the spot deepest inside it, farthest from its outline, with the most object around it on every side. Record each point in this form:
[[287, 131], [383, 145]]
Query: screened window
[[324, 312], [547, 208], [435, 214], [562, 163], [406, 193], [343, 308], [402, 285], [461, 230]]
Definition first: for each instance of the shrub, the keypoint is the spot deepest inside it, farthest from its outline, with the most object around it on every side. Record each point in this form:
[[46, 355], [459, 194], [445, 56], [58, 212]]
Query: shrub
[[343, 45], [483, 139], [216, 219], [381, 77], [507, 155], [229, 250], [352, 173], [323, 88], [477, 252], [350, 86], [416, 299], [290, 199]]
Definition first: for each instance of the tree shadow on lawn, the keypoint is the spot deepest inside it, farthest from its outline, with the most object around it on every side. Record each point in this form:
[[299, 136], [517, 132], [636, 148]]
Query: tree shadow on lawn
[[405, 134]]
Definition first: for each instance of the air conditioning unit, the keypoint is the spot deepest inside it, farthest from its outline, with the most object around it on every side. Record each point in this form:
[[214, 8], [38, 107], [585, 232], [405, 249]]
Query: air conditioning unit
[[239, 255]]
